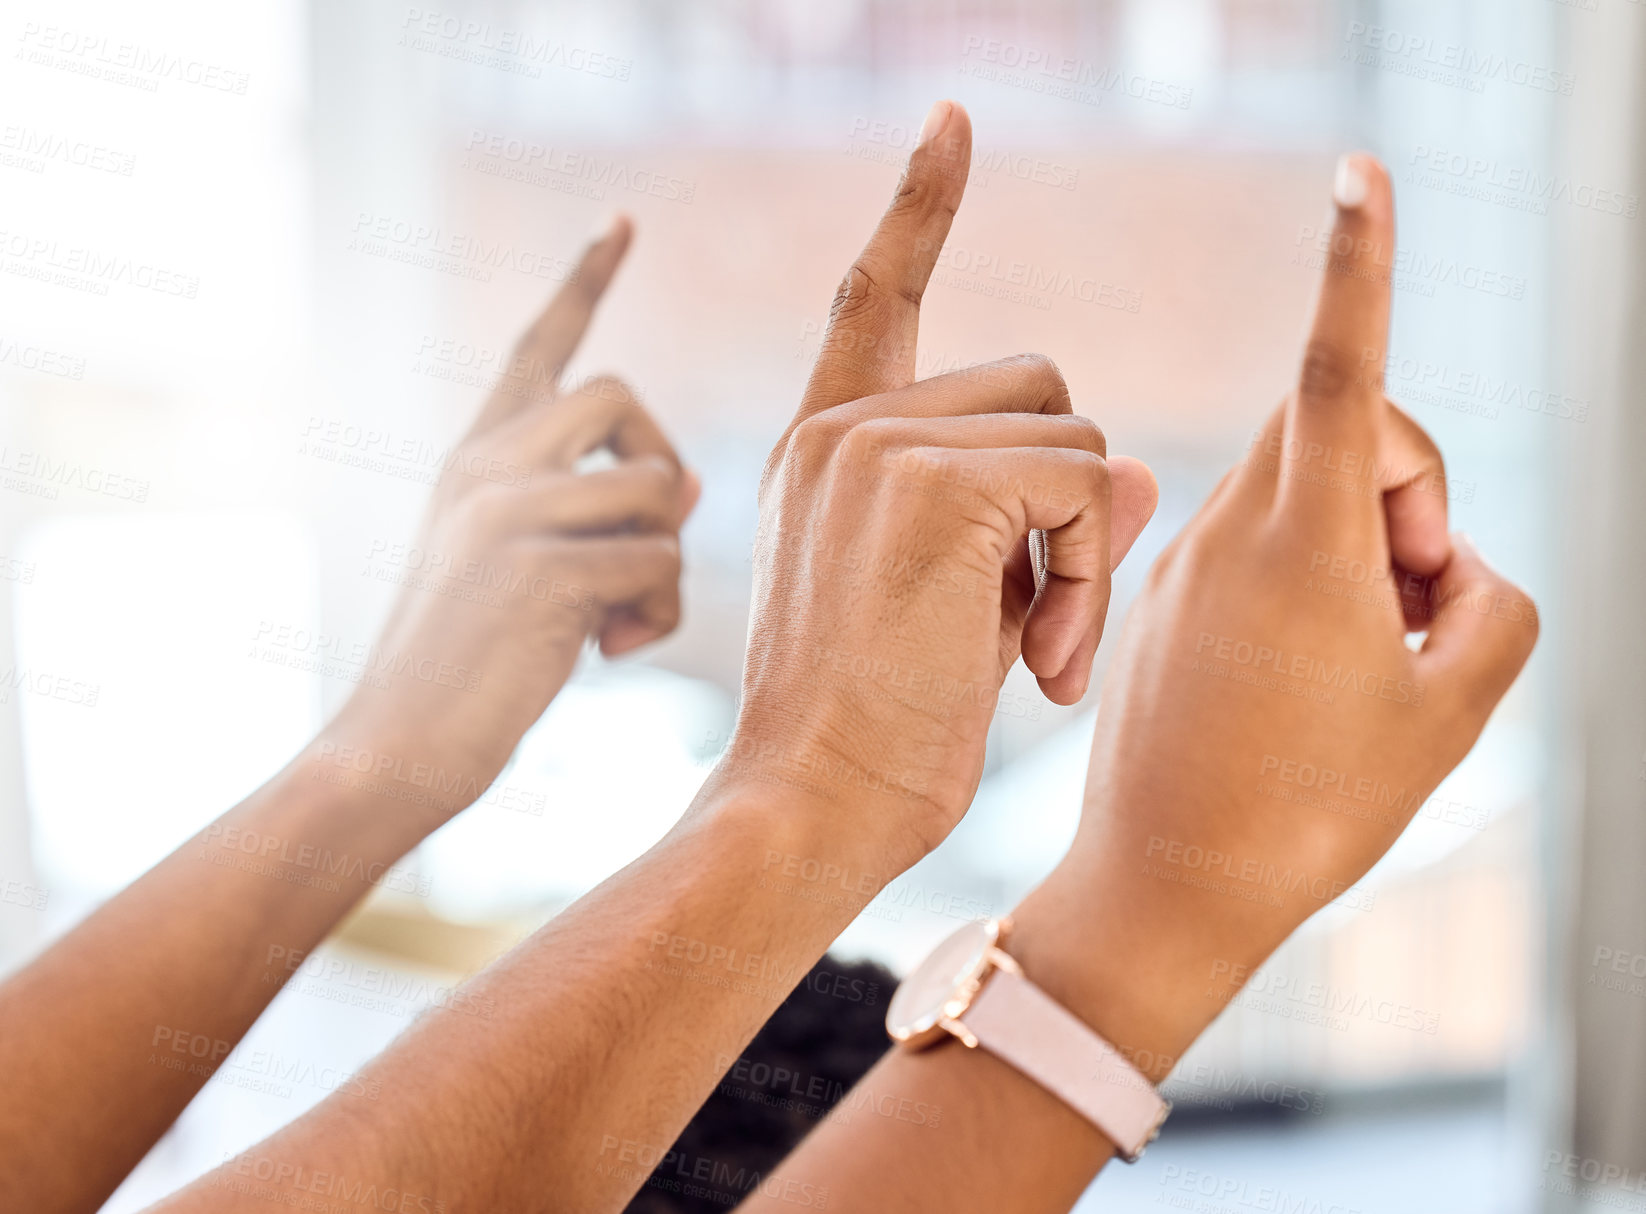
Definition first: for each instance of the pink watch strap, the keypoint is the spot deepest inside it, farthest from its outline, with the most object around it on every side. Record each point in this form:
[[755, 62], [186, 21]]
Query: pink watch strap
[[1013, 1018]]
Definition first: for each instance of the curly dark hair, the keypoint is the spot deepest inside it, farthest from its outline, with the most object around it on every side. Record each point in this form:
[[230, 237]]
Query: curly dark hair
[[822, 1039]]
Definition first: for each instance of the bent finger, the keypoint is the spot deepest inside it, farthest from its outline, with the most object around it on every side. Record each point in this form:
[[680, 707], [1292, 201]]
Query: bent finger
[[1483, 630], [640, 494], [1414, 495], [603, 413]]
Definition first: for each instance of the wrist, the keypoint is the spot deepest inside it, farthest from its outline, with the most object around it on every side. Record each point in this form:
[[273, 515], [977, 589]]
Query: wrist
[[340, 780], [313, 832], [426, 768], [1139, 970], [827, 850]]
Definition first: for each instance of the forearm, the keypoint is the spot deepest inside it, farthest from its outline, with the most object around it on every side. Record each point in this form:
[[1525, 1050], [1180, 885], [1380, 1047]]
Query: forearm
[[607, 1030], [952, 1128], [108, 1034]]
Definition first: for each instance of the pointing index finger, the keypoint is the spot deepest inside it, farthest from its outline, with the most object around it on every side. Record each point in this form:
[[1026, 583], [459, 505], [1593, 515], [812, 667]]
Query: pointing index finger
[[1340, 394], [875, 319], [541, 355]]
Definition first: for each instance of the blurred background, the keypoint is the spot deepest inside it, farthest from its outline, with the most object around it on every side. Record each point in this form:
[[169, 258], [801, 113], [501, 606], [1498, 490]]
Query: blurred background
[[253, 254]]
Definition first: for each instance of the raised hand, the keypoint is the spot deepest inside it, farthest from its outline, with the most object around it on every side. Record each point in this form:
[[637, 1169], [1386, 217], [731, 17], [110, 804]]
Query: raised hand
[[532, 559], [893, 589], [893, 581], [521, 558], [1266, 732]]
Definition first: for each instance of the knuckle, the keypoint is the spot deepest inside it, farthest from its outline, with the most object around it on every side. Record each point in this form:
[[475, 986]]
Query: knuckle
[[667, 554], [1433, 480], [614, 417], [588, 419], [914, 192], [853, 299], [1436, 463], [867, 442], [657, 472], [1093, 469], [1096, 472], [559, 553], [1523, 614], [1437, 469], [1087, 433], [922, 192], [1429, 452], [1046, 381], [818, 434], [1040, 366], [655, 489], [611, 388], [1328, 370]]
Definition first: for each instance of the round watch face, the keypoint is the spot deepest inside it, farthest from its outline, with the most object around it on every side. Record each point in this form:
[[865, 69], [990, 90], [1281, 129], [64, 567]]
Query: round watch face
[[943, 984]]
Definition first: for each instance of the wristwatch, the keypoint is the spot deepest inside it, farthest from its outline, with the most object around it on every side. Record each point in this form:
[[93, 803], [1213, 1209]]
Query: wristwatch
[[971, 988]]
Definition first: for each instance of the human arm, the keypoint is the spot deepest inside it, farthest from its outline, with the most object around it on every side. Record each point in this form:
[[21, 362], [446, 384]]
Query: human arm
[[107, 1035], [893, 540], [1242, 663]]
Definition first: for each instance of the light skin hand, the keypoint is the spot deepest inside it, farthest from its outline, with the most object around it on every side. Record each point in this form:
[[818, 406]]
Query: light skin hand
[[1196, 733], [525, 558], [108, 1034]]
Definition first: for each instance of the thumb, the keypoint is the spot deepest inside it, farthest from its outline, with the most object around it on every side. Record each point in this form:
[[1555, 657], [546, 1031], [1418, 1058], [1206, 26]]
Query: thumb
[[1134, 496], [1483, 629]]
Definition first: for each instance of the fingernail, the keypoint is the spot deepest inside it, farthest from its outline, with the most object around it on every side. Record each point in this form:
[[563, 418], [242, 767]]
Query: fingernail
[[1349, 187], [604, 229], [936, 119]]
